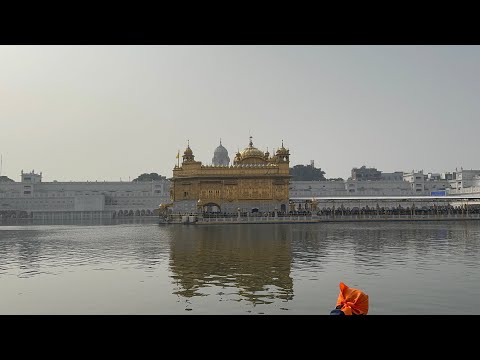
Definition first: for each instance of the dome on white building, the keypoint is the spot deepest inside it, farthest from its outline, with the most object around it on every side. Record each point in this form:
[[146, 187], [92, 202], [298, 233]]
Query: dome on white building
[[220, 156]]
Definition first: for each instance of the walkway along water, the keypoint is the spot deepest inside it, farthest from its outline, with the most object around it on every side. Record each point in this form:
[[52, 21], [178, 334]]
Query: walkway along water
[[200, 220]]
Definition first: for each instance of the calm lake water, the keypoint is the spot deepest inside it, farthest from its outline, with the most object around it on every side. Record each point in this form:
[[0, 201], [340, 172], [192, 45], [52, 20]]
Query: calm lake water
[[146, 268]]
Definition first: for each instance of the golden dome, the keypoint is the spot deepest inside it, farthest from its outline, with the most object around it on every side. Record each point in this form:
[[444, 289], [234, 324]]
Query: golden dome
[[282, 150], [251, 151], [188, 151]]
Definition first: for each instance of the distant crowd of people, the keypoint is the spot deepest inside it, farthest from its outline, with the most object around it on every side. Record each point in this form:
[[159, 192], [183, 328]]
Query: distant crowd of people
[[399, 210], [14, 214], [367, 211]]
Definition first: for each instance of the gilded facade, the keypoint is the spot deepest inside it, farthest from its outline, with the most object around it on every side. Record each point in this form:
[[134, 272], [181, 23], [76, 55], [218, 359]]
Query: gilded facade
[[255, 182]]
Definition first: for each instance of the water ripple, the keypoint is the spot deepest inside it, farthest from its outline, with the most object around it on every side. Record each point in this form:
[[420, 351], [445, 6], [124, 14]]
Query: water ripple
[[406, 268]]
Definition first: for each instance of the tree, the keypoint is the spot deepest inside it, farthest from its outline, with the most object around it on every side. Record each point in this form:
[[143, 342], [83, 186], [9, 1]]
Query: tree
[[307, 173], [150, 177], [6, 179]]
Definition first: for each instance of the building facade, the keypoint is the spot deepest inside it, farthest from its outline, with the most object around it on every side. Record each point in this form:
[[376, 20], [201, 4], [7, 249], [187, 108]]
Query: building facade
[[33, 198], [363, 174], [465, 179]]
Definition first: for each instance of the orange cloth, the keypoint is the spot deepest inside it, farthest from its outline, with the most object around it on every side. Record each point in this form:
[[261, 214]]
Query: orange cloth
[[352, 300]]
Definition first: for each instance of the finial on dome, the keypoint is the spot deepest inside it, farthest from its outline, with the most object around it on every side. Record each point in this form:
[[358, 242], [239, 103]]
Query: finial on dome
[[250, 143], [220, 141], [282, 142]]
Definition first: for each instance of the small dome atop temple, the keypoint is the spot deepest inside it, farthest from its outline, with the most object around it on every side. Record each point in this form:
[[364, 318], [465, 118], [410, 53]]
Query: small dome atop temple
[[188, 154], [282, 150], [188, 151]]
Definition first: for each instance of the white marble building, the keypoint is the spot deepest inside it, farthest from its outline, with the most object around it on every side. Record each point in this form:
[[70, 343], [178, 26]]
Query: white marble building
[[352, 188], [77, 200], [33, 198], [414, 183], [466, 179]]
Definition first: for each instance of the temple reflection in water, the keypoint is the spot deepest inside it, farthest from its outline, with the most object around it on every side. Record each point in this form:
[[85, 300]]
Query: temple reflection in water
[[252, 261]]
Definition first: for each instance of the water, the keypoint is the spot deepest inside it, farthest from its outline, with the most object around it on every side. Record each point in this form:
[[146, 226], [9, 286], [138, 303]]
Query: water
[[146, 268]]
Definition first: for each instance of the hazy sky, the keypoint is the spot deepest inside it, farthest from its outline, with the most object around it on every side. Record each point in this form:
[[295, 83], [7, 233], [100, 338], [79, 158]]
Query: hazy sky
[[110, 112]]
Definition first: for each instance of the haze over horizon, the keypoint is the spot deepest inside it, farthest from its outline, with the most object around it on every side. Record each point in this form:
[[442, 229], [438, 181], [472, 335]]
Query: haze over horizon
[[78, 113]]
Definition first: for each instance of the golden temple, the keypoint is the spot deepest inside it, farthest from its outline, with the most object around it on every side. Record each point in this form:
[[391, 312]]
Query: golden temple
[[255, 182]]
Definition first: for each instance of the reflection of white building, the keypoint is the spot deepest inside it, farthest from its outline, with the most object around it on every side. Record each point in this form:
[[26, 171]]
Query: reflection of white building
[[72, 200]]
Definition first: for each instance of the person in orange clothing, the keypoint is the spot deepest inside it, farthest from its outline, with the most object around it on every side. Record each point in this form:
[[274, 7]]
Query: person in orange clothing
[[350, 302]]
